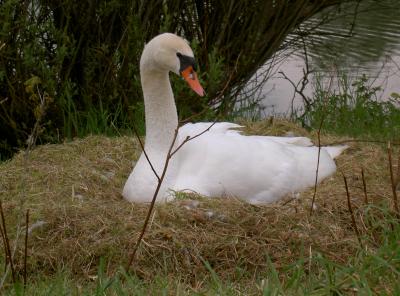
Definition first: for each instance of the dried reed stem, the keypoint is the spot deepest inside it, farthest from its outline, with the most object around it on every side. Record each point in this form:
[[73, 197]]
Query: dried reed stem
[[145, 153], [319, 145], [6, 243], [317, 171], [353, 219], [397, 182], [395, 202], [364, 187], [26, 244], [4, 246]]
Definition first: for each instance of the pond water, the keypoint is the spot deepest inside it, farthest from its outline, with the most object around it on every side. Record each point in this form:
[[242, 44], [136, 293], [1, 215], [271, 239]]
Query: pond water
[[372, 49]]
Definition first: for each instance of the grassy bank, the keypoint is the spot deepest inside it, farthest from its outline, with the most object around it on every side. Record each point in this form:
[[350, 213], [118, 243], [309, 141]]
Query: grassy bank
[[352, 107], [85, 231]]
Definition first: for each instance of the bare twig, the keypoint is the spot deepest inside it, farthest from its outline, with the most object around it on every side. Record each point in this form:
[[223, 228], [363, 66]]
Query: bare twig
[[319, 146], [26, 244], [366, 201], [317, 170], [360, 141], [397, 180], [3, 238], [145, 153], [189, 138], [303, 82], [364, 187], [297, 90], [353, 219], [36, 128], [395, 202], [153, 201], [6, 242]]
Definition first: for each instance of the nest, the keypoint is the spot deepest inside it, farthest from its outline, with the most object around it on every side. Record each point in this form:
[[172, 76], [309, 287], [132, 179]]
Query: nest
[[77, 214]]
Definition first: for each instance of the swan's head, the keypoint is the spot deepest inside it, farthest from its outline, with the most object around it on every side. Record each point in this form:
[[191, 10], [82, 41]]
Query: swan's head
[[169, 52]]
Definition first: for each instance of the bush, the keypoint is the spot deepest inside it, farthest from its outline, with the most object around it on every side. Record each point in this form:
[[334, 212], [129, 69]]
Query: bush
[[85, 55], [354, 110]]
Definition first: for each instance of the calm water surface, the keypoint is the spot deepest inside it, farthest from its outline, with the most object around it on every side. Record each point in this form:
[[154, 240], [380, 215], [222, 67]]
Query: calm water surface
[[373, 49]]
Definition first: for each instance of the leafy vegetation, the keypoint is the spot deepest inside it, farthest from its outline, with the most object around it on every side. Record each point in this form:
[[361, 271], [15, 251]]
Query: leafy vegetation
[[354, 109]]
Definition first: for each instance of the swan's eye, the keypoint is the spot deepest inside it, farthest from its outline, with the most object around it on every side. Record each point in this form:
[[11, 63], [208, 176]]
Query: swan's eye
[[186, 61]]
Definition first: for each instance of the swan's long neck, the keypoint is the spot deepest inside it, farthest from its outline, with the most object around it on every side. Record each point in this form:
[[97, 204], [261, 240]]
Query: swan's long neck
[[160, 110]]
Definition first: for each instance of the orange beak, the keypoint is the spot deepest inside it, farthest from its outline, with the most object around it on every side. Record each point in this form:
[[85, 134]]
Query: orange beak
[[191, 78]]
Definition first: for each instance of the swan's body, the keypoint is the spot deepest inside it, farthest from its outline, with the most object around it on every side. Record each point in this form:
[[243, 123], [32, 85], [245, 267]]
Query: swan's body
[[221, 161]]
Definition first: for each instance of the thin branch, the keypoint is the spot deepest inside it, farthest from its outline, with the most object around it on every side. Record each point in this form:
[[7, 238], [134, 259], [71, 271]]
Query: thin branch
[[395, 202], [36, 127], [360, 141], [296, 88], [303, 81], [26, 245], [397, 180], [364, 187], [5, 247], [6, 242], [153, 201], [319, 146], [317, 170], [353, 219], [189, 138], [145, 153]]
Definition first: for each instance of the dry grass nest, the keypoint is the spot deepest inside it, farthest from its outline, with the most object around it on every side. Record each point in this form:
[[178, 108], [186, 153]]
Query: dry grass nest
[[73, 191]]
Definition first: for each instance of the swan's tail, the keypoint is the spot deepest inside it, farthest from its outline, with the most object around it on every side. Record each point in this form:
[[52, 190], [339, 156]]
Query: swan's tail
[[335, 151]]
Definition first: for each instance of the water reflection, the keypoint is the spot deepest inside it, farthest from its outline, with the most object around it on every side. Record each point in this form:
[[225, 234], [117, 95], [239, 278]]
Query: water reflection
[[373, 49]]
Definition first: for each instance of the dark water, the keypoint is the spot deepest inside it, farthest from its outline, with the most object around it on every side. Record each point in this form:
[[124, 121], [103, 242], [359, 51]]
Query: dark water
[[366, 42]]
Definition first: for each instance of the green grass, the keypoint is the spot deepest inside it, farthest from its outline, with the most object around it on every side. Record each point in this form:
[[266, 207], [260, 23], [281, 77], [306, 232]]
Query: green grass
[[97, 119], [365, 274], [353, 110]]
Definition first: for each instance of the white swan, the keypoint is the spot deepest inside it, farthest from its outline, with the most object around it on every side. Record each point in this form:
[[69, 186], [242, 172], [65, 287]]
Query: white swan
[[220, 162]]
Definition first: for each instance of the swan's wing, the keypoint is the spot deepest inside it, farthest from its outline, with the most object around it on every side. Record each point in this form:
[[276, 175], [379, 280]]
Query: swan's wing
[[335, 151], [297, 141], [192, 129], [256, 168], [222, 161]]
